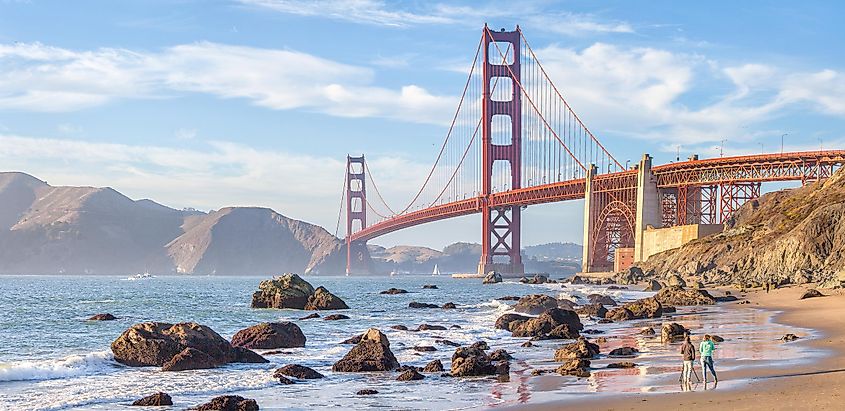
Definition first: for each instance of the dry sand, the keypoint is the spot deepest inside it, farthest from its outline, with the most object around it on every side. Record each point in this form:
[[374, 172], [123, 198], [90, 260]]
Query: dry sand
[[817, 385]]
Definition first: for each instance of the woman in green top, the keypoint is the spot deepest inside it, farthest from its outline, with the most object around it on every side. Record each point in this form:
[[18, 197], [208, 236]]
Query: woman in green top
[[706, 349]]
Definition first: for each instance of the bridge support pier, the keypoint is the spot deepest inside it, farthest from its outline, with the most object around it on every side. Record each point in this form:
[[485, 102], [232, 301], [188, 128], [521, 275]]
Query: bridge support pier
[[589, 218], [649, 209]]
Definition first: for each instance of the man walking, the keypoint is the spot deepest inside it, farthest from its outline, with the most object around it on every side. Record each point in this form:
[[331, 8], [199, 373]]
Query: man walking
[[706, 349], [688, 351]]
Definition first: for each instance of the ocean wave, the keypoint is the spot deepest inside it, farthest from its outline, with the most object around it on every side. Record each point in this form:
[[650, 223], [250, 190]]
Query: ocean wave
[[71, 366]]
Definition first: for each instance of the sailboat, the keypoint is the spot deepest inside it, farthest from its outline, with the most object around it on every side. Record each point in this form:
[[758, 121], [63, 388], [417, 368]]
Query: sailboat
[[436, 270]]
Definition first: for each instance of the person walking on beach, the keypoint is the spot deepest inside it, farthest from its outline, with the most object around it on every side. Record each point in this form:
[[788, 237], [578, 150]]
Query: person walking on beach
[[706, 349], [688, 351]]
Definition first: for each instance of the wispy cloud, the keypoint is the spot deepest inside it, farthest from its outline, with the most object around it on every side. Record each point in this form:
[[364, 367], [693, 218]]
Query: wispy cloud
[[44, 78], [359, 11]]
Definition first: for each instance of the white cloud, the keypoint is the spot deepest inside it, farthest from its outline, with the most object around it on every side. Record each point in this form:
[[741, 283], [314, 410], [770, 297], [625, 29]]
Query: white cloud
[[42, 78], [360, 11], [185, 133]]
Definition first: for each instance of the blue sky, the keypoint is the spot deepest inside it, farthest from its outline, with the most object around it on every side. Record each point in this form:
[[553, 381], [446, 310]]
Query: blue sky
[[208, 104]]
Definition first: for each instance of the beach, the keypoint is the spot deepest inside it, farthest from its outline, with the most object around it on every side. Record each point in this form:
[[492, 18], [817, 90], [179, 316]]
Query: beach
[[806, 385]]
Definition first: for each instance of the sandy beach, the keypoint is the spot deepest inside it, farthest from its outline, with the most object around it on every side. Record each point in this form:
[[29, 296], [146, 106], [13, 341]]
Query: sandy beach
[[811, 385]]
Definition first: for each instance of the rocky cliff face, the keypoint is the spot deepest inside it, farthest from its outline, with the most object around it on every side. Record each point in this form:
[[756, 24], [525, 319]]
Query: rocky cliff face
[[793, 236], [90, 230]]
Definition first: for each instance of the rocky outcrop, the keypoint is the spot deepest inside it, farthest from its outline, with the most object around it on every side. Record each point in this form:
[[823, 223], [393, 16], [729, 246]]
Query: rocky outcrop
[[372, 353], [228, 403], [102, 317], [297, 371], [581, 349], [492, 278], [535, 304], [592, 310], [285, 291], [787, 236], [676, 295], [190, 359], [156, 344], [471, 361], [505, 321], [601, 299], [555, 323], [575, 367], [267, 336], [673, 332], [322, 299], [645, 308], [158, 399]]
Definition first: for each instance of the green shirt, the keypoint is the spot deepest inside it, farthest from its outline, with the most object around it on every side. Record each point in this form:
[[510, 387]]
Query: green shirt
[[706, 348]]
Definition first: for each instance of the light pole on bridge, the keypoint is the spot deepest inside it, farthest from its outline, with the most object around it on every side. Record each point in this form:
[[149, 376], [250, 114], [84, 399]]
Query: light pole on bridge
[[781, 141]]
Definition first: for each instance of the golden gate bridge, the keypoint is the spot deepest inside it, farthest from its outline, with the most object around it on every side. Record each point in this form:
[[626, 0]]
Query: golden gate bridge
[[514, 141]]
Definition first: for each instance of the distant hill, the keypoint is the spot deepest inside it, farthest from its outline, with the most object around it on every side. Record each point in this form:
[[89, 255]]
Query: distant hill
[[553, 258], [91, 230]]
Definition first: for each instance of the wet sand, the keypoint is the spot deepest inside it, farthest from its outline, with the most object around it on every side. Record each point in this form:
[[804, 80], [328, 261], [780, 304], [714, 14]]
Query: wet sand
[[810, 385]]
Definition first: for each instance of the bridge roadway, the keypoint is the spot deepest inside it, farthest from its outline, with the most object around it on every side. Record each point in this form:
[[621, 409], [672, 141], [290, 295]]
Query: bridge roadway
[[794, 166]]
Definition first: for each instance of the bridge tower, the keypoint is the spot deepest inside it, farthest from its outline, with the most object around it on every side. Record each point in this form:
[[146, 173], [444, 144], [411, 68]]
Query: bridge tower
[[501, 225], [356, 204]]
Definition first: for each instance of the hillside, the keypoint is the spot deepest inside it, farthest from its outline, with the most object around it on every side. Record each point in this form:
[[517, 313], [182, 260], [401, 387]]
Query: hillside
[[91, 230], [795, 235]]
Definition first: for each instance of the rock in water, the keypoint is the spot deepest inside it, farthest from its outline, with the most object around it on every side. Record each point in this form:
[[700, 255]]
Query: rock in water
[[620, 314], [410, 375], [592, 310], [492, 278], [102, 317], [653, 285], [647, 331], [429, 287], [811, 293], [228, 403], [601, 299], [335, 317], [434, 366], [645, 308], [297, 371], [414, 304], [535, 304], [623, 364], [471, 361], [366, 392], [372, 353], [789, 337], [310, 316], [510, 320], [285, 291], [154, 344], [675, 295], [575, 367], [555, 323], [673, 331], [429, 327], [190, 359], [449, 305], [156, 400], [581, 349], [267, 336], [322, 299], [623, 352], [500, 355], [393, 291]]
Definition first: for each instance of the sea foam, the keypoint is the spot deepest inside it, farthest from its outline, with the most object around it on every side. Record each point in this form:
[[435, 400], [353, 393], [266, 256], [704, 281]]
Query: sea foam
[[70, 366]]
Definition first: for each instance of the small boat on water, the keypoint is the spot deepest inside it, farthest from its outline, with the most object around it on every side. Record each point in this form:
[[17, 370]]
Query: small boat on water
[[139, 276], [436, 270]]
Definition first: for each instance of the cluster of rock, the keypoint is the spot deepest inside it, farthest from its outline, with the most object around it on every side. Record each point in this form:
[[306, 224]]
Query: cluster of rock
[[678, 295], [177, 347], [291, 291], [492, 278], [639, 309], [474, 361], [554, 323], [576, 357], [537, 279]]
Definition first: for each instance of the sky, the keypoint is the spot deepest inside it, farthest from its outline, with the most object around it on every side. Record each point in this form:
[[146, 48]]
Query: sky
[[208, 104]]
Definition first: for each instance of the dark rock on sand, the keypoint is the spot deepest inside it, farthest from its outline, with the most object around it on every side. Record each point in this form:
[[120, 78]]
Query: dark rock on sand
[[675, 295], [335, 317], [581, 349], [492, 278], [322, 299], [156, 400], [811, 293], [726, 299], [366, 392], [372, 353], [102, 317], [266, 336], [717, 339], [789, 337], [410, 375], [449, 305], [155, 344], [393, 291], [471, 361], [434, 366], [286, 291], [535, 304], [228, 403], [592, 310], [297, 371], [601, 299], [310, 316], [415, 304], [673, 331], [623, 364], [624, 352], [575, 367], [668, 309]]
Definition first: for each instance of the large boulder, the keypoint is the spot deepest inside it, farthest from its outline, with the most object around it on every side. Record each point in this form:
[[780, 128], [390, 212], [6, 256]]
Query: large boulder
[[576, 367], [471, 361], [645, 308], [555, 323], [322, 299], [675, 295], [581, 349], [601, 299], [266, 336], [158, 399], [510, 320], [535, 304], [190, 359], [673, 332], [155, 344], [629, 277], [620, 314], [433, 366], [228, 403], [297, 371], [492, 278], [592, 310], [372, 353], [285, 291]]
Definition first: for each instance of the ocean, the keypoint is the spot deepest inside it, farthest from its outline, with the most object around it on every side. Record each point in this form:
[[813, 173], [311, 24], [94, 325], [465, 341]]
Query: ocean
[[51, 358]]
